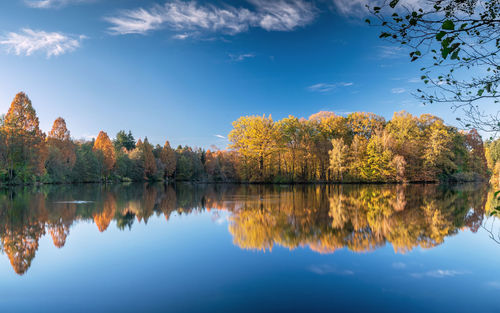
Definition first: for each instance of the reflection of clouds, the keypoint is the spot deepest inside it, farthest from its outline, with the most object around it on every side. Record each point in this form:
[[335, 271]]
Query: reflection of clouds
[[399, 265], [75, 202], [437, 274], [221, 220], [218, 219], [493, 284], [324, 269]]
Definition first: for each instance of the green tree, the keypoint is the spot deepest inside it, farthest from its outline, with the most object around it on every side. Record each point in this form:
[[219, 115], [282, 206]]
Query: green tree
[[124, 140]]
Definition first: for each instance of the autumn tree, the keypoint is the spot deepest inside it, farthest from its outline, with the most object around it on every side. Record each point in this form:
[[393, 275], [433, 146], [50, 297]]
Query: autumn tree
[[149, 159], [104, 145], [407, 134], [477, 157], [292, 137], [61, 151], [328, 126], [255, 137], [167, 157], [365, 124], [25, 150], [493, 160], [379, 155], [338, 158], [438, 154]]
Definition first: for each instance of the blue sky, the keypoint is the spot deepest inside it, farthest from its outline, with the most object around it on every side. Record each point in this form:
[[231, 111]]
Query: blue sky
[[184, 70]]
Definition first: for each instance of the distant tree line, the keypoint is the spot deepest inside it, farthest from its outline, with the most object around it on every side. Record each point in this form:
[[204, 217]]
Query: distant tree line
[[361, 147]]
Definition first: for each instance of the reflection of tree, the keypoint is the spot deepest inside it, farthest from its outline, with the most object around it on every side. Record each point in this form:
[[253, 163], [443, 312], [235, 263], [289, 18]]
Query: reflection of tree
[[21, 245], [103, 219], [323, 218], [360, 218], [59, 233], [59, 222], [491, 225], [20, 227]]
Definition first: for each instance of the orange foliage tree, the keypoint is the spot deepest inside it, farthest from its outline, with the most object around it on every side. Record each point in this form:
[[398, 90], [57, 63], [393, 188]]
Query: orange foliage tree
[[149, 159], [167, 157], [104, 145], [61, 151], [25, 150]]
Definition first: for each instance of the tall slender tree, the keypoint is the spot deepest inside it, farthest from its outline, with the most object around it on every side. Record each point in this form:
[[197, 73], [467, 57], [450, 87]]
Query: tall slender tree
[[104, 145]]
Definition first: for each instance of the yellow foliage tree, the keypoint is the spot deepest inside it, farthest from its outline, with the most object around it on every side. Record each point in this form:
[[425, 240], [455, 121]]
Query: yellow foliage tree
[[254, 137]]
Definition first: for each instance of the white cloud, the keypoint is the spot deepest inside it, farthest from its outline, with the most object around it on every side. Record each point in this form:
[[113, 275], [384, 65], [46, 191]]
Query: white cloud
[[280, 15], [326, 87], [283, 15], [390, 52], [398, 90], [241, 57], [29, 41], [46, 4], [220, 136], [181, 36]]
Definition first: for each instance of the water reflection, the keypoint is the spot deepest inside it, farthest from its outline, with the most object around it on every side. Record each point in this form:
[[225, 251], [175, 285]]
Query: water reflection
[[323, 218]]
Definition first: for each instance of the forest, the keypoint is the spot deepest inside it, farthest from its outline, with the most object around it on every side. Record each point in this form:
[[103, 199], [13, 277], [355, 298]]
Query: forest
[[359, 147]]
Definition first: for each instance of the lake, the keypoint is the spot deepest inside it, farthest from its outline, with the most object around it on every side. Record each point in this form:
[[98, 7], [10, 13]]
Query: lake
[[249, 248]]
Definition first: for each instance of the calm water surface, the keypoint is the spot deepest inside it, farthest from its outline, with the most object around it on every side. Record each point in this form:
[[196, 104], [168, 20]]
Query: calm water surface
[[225, 248]]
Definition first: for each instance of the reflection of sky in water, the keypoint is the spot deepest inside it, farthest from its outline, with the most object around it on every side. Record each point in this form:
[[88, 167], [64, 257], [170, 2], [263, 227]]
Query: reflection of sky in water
[[191, 264]]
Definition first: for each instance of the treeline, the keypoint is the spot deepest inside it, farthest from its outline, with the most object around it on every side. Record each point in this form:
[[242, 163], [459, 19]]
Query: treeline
[[361, 147]]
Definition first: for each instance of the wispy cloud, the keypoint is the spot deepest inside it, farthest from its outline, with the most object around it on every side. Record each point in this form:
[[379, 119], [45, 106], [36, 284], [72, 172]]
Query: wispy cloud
[[46, 4], [390, 52], [326, 87], [414, 80], [398, 90], [29, 41], [280, 15], [241, 57], [181, 36], [438, 274], [220, 136]]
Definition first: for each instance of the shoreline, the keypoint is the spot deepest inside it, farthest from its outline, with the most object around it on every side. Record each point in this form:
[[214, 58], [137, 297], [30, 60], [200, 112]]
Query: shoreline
[[248, 183]]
